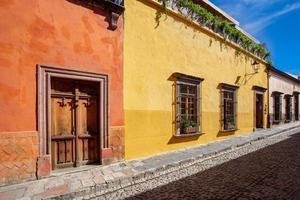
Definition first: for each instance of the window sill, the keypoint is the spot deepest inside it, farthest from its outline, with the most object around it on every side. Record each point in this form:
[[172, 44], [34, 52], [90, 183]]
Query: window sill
[[276, 122], [231, 130], [188, 135]]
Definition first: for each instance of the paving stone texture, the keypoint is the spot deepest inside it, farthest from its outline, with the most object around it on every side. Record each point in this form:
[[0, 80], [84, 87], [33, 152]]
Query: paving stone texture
[[260, 165]]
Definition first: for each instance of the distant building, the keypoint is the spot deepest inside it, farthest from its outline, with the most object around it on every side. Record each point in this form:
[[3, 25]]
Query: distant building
[[284, 90]]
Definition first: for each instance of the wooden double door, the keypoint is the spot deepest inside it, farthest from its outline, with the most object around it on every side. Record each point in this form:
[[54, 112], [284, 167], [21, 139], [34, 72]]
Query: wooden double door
[[75, 137]]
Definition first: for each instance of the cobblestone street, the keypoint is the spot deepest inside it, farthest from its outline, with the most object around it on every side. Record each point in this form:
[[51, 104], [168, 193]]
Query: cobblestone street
[[272, 172]]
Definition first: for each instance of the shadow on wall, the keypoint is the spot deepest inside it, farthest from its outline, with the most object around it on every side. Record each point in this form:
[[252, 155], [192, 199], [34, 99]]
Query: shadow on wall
[[246, 77], [176, 140], [225, 133], [157, 18], [243, 80], [95, 9]]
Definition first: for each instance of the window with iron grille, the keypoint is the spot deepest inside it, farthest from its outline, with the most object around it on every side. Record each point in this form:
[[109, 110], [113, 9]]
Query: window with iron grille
[[296, 105], [228, 109], [277, 107], [188, 107], [288, 108]]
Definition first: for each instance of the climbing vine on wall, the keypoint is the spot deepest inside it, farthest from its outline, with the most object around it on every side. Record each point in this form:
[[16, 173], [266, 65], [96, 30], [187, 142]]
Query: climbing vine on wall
[[199, 14]]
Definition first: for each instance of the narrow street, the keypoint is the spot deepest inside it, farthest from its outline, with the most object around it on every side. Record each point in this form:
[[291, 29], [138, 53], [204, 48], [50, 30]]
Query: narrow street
[[272, 172]]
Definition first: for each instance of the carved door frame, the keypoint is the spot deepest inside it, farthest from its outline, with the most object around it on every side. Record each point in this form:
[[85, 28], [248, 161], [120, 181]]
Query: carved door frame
[[44, 75]]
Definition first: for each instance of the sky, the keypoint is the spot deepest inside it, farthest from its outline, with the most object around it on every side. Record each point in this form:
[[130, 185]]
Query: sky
[[273, 22]]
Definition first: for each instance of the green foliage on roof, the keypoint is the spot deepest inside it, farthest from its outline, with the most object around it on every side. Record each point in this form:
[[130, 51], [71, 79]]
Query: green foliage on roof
[[221, 26]]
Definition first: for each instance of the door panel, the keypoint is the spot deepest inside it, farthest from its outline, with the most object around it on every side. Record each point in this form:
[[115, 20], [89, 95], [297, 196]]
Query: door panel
[[85, 149], [61, 152], [69, 150], [62, 116]]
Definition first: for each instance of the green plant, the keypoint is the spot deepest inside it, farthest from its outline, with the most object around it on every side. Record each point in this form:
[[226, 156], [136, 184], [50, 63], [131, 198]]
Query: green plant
[[164, 4], [230, 119], [270, 63], [237, 53], [267, 55], [187, 122], [204, 17]]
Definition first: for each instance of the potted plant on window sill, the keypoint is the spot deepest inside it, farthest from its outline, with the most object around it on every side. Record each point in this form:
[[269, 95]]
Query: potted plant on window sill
[[230, 123], [189, 126]]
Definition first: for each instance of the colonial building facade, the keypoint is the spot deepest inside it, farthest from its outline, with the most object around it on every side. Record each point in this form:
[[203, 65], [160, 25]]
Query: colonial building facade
[[61, 86], [284, 90], [185, 83]]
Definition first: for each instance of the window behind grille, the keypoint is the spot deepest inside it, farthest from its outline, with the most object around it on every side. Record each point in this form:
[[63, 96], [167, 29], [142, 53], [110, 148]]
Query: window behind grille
[[188, 102], [296, 106], [188, 106], [277, 108], [288, 108], [228, 109]]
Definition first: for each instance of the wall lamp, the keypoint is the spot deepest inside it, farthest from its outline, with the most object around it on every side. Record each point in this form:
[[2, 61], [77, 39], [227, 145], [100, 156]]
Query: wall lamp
[[255, 66]]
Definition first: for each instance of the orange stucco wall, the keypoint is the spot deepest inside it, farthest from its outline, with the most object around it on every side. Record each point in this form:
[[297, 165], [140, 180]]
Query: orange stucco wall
[[60, 33]]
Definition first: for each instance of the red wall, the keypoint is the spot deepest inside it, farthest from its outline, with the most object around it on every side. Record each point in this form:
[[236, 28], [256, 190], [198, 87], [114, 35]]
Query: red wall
[[59, 33]]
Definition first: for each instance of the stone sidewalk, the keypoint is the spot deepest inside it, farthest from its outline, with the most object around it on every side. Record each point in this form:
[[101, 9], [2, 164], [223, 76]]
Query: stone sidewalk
[[95, 181]]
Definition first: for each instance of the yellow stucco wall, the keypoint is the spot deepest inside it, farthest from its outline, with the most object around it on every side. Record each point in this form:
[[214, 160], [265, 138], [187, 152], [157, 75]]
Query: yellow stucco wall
[[152, 53]]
